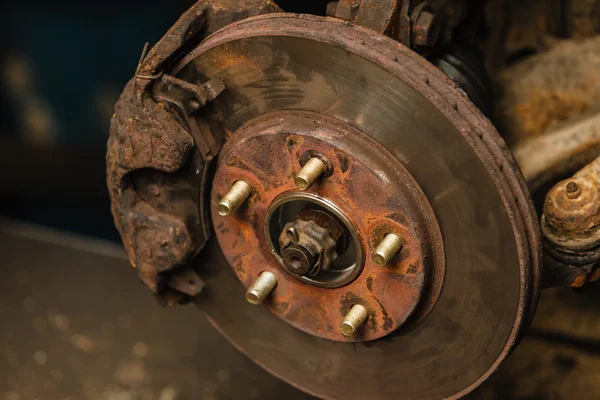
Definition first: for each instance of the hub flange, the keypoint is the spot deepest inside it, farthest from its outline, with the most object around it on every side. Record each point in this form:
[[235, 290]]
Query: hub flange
[[368, 191]]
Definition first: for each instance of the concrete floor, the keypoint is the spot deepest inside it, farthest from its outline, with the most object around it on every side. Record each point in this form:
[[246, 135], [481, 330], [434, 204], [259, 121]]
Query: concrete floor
[[77, 324]]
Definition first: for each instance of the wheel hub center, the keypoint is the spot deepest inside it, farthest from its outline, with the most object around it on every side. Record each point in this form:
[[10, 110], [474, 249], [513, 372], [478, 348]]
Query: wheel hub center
[[310, 244], [314, 240]]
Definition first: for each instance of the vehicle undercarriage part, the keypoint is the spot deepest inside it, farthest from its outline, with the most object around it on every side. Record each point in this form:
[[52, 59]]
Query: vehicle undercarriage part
[[335, 204], [571, 227]]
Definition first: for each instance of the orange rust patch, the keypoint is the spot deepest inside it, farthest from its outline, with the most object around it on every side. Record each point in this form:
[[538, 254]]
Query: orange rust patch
[[578, 282], [547, 107]]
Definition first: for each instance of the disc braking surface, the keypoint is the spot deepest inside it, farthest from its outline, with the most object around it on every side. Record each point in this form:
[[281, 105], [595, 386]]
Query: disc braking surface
[[289, 62]]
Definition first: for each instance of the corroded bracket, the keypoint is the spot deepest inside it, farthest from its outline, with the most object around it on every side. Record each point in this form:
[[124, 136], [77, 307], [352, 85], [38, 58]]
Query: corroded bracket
[[158, 155], [419, 24], [186, 97]]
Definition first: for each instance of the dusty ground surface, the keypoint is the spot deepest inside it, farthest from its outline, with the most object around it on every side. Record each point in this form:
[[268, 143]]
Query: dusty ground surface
[[77, 324]]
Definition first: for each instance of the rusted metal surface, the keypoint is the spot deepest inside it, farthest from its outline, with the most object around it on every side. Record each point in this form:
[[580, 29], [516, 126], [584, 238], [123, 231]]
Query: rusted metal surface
[[549, 110], [368, 184], [553, 155], [186, 97], [202, 19], [426, 28], [571, 217], [157, 164], [550, 88], [269, 75], [419, 24], [549, 114], [571, 227], [379, 15], [146, 146], [548, 106]]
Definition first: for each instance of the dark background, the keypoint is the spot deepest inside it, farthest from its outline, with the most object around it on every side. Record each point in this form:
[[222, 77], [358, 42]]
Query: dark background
[[62, 68]]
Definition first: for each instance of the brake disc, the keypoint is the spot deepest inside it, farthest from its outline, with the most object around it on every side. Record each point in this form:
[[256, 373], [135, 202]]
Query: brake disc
[[403, 152], [453, 176]]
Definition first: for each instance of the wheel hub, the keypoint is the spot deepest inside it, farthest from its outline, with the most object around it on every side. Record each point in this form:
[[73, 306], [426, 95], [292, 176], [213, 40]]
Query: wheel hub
[[320, 242]]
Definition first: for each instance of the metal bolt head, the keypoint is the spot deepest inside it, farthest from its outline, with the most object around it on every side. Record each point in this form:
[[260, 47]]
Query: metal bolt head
[[310, 173], [426, 30], [387, 249], [262, 286], [239, 193], [573, 190], [355, 318], [331, 8], [298, 260]]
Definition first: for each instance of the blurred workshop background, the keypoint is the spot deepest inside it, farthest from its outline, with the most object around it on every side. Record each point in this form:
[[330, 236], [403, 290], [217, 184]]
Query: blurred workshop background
[[76, 323], [63, 66]]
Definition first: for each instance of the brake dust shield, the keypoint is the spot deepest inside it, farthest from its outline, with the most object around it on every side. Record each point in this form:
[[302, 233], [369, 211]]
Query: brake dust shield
[[478, 253]]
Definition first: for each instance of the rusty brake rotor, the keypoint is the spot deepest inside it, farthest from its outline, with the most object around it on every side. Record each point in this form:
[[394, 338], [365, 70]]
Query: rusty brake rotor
[[341, 182], [442, 181]]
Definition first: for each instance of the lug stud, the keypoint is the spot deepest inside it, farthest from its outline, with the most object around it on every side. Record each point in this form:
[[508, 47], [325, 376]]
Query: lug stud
[[355, 318], [262, 286], [239, 193], [310, 173], [387, 249]]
